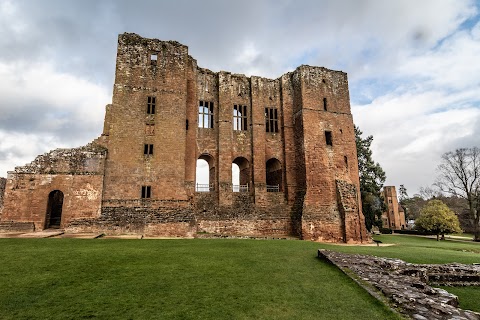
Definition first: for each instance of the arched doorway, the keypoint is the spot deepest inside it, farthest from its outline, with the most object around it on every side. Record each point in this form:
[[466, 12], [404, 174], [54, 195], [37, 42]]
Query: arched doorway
[[54, 209], [240, 174], [274, 175]]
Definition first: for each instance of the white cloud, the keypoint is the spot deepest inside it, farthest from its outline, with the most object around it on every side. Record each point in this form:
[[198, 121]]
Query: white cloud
[[412, 66], [436, 109], [41, 109]]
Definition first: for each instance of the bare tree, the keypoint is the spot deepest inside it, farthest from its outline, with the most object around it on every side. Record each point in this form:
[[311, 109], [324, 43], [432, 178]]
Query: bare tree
[[459, 175]]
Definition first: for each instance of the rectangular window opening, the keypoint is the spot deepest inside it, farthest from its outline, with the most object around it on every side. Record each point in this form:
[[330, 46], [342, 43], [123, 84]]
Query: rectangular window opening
[[205, 114], [325, 104], [271, 119], [328, 138], [148, 149], [151, 105], [146, 192], [239, 117], [153, 59]]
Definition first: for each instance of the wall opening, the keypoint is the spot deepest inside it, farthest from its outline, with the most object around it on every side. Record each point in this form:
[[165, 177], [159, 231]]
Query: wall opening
[[325, 104], [271, 119], [151, 105], [146, 192], [240, 174], [274, 175], [239, 117], [54, 209], [328, 138], [153, 59], [148, 149], [205, 114], [205, 174]]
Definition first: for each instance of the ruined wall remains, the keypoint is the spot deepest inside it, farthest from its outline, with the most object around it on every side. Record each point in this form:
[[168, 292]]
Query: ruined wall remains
[[77, 173], [3, 182], [292, 139]]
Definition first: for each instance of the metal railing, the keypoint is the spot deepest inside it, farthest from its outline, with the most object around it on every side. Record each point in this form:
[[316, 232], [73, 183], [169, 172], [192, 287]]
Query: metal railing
[[240, 188], [199, 187], [273, 188]]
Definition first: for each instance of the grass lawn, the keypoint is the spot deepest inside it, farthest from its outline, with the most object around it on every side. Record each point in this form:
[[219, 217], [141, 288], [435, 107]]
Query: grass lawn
[[175, 279], [200, 279]]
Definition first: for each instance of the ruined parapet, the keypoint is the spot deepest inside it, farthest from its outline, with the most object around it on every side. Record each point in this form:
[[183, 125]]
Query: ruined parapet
[[82, 160]]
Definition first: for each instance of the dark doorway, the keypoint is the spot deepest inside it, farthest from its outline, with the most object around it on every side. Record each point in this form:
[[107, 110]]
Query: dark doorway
[[54, 209]]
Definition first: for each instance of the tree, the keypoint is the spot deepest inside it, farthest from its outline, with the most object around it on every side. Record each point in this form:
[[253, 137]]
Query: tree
[[436, 217], [372, 178], [459, 175], [403, 193], [414, 206]]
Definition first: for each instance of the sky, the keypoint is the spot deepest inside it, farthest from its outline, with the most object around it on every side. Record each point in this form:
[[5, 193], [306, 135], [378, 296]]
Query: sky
[[413, 66]]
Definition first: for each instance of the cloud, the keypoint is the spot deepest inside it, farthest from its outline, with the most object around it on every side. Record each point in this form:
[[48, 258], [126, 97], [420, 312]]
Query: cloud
[[435, 109], [42, 109], [412, 65]]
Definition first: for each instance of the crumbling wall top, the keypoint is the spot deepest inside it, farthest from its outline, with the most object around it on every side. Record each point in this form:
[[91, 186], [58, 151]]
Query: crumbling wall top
[[87, 159], [135, 39]]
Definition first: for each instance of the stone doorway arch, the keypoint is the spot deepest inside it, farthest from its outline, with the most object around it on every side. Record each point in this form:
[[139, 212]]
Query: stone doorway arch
[[54, 209]]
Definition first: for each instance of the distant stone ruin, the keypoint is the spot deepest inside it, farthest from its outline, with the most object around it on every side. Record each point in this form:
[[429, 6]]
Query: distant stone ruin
[[408, 286]]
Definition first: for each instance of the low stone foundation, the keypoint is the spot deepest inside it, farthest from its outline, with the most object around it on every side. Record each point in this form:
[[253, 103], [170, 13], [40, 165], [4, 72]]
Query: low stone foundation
[[406, 285], [14, 226]]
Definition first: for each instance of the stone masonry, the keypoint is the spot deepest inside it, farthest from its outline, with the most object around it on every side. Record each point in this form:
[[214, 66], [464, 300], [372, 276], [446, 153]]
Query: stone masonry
[[291, 137], [407, 286], [3, 182], [394, 216]]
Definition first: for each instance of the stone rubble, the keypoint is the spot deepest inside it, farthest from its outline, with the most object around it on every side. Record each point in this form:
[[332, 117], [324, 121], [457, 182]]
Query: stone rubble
[[407, 286]]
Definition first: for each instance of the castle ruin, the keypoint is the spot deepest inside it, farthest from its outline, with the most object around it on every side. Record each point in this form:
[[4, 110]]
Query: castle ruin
[[292, 139]]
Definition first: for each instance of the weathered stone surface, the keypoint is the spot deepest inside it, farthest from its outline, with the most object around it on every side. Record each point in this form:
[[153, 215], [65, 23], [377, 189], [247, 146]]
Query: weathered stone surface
[[152, 140], [407, 285], [394, 216], [3, 183]]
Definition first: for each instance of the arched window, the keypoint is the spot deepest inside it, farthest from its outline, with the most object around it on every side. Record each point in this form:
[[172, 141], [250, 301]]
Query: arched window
[[205, 174], [54, 209], [240, 174], [274, 175]]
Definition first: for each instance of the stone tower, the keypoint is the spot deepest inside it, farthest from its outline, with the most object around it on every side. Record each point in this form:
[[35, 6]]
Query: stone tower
[[292, 139]]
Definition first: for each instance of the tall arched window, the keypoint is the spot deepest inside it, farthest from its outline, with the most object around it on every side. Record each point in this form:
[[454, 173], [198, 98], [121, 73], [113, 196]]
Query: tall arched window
[[205, 174], [240, 174]]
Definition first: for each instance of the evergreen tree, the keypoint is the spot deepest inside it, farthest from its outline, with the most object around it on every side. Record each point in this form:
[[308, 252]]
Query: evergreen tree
[[372, 178]]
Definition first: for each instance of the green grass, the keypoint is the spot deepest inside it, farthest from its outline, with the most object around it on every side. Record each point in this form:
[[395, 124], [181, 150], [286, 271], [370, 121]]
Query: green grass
[[200, 279], [416, 249], [468, 297], [175, 279]]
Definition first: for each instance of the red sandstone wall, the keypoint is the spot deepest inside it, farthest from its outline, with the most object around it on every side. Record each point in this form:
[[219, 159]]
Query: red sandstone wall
[[318, 183], [127, 168], [75, 172]]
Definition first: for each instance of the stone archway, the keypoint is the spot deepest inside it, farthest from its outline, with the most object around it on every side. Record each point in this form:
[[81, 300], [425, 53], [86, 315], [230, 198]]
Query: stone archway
[[273, 175], [54, 209]]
